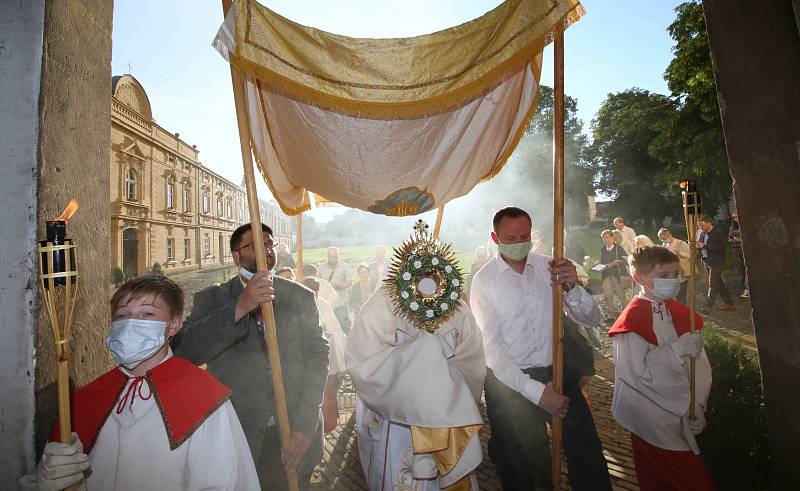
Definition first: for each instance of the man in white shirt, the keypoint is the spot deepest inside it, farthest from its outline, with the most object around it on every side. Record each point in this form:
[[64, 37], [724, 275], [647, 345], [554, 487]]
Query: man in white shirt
[[338, 275], [628, 234], [511, 299]]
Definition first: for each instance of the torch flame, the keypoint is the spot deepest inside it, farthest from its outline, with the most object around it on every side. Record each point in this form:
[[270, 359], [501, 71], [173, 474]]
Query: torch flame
[[70, 210]]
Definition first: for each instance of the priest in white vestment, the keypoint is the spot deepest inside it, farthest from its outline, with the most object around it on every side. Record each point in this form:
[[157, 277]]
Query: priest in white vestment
[[417, 409]]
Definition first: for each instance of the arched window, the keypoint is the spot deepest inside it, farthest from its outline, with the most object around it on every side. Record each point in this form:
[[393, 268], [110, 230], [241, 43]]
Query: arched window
[[130, 185]]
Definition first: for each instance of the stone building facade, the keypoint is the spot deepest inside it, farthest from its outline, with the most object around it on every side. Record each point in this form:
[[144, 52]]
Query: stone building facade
[[166, 207]]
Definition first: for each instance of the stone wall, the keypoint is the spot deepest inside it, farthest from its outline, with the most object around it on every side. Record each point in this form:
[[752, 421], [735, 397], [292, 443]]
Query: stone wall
[[755, 48], [74, 143]]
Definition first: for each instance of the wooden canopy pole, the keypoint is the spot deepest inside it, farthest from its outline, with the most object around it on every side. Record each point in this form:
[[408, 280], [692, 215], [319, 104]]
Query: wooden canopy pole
[[438, 226], [270, 334], [300, 247], [558, 241]]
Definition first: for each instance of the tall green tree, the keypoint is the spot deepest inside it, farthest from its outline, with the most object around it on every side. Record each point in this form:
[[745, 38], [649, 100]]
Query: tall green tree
[[691, 143], [539, 164], [623, 131]]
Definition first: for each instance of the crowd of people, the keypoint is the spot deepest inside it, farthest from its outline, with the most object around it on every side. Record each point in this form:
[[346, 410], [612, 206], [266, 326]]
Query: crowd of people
[[159, 422]]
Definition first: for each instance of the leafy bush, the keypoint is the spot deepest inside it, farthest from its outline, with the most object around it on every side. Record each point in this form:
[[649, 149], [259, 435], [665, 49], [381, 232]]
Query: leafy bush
[[157, 269], [118, 277], [734, 444]]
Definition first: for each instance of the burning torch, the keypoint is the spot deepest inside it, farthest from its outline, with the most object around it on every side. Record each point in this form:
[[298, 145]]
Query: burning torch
[[58, 275], [692, 209]]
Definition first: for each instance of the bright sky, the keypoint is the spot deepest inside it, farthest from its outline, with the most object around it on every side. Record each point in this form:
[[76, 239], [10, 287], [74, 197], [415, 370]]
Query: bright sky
[[619, 44]]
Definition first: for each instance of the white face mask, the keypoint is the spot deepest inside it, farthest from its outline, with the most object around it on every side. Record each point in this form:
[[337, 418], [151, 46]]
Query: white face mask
[[665, 288], [133, 341], [245, 273]]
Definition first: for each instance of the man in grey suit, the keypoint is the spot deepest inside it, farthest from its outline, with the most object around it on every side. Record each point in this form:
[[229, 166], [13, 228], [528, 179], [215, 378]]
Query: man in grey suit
[[225, 331]]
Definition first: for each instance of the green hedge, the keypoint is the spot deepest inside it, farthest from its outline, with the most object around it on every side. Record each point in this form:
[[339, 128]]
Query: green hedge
[[734, 444]]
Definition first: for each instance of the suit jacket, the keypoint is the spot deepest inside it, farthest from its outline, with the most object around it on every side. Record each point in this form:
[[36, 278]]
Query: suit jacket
[[236, 355], [716, 246]]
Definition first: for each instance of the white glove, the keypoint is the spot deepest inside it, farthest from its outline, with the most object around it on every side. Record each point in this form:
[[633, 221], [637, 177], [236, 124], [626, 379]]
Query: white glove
[[689, 344], [62, 465], [697, 424]]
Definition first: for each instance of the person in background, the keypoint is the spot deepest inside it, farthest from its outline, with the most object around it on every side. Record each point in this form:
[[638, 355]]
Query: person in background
[[286, 272], [338, 275], [642, 241], [481, 258], [628, 234], [681, 249], [336, 364], [735, 240], [360, 292], [538, 244], [326, 291], [283, 258], [619, 239], [614, 258], [379, 268], [712, 246]]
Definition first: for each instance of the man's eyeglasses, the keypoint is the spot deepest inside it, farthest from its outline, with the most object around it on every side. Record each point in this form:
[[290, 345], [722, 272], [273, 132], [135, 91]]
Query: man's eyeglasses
[[267, 246]]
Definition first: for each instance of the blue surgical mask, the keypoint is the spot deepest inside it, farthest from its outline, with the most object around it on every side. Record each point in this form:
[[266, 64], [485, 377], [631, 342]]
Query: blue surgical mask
[[665, 288], [244, 273], [132, 341]]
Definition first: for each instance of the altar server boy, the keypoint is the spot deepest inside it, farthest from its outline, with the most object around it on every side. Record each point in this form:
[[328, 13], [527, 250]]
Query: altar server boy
[[156, 421], [652, 347]]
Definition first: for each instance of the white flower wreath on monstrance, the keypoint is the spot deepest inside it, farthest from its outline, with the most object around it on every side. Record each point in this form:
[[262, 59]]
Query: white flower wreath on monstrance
[[424, 280]]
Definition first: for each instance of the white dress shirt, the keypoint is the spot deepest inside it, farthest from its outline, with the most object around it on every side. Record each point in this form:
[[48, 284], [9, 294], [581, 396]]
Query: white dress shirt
[[515, 313]]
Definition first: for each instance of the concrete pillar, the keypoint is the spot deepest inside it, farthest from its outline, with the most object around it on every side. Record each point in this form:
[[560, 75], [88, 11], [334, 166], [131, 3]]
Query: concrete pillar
[[73, 162], [22, 28], [755, 48]]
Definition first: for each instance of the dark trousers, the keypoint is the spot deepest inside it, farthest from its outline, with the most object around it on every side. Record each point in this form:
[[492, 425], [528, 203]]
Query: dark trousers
[[271, 474], [738, 263], [520, 444], [716, 285]]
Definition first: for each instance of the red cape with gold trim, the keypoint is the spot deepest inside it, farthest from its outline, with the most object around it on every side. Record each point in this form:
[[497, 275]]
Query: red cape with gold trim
[[638, 317], [185, 396]]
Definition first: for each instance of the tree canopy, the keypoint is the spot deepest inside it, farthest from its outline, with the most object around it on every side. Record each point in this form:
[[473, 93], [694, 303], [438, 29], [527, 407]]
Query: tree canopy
[[623, 130], [645, 143]]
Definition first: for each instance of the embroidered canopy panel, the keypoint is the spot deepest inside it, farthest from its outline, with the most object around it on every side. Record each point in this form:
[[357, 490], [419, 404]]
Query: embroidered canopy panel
[[392, 126]]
